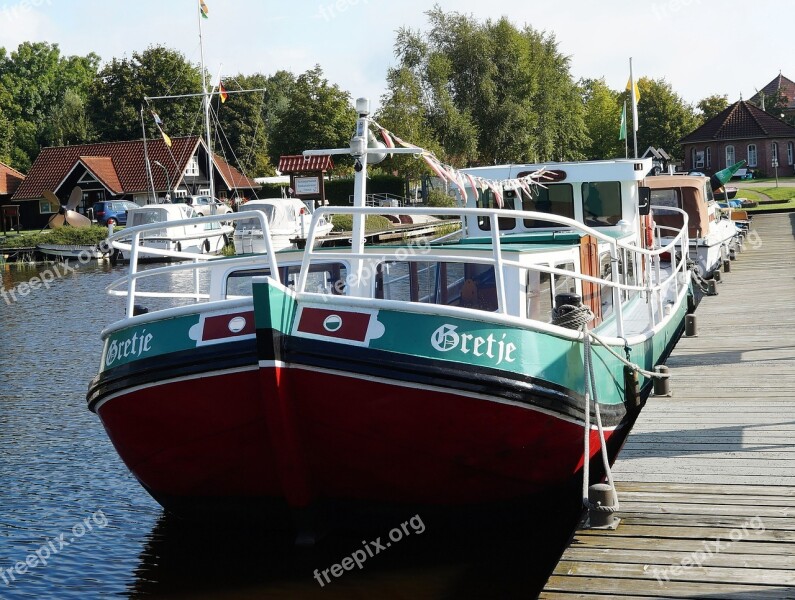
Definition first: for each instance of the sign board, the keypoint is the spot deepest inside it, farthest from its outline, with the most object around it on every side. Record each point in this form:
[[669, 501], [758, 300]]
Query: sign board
[[307, 186], [775, 163]]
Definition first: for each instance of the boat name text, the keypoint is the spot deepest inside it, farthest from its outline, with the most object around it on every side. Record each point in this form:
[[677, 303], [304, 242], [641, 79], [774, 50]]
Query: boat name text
[[132, 347], [446, 338]]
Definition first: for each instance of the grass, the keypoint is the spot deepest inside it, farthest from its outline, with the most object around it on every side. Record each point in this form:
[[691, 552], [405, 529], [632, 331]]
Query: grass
[[749, 195], [780, 193], [372, 223], [782, 206], [740, 182]]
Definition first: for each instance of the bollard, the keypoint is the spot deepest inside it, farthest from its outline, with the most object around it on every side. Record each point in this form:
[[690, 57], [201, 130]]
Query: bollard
[[691, 328], [662, 385], [712, 288], [716, 275], [727, 266], [732, 254], [602, 505]]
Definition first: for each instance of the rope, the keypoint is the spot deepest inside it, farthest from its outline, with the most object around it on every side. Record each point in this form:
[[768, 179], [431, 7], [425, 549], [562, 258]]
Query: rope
[[571, 316], [590, 389], [629, 363]]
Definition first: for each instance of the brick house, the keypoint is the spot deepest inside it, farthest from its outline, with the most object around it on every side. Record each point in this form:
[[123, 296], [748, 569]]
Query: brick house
[[741, 132], [117, 170]]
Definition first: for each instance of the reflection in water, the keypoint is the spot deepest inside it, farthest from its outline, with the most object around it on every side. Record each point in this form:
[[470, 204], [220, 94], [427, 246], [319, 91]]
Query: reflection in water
[[58, 467]]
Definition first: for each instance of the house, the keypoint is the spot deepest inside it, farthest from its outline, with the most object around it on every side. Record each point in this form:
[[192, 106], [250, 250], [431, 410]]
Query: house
[[741, 132], [117, 170], [769, 93], [10, 180]]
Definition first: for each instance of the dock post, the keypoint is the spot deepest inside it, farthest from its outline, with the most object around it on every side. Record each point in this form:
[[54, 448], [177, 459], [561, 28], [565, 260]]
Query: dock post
[[602, 505], [662, 385], [691, 330]]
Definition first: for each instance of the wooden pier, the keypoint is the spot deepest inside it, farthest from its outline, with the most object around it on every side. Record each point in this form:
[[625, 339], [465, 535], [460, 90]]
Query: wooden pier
[[706, 481]]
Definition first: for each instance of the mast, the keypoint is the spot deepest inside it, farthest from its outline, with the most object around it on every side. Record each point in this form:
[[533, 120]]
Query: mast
[[148, 165], [206, 105], [634, 107]]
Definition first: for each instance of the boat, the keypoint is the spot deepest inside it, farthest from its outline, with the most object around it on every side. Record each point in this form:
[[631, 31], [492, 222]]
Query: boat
[[460, 373], [712, 233], [179, 233], [81, 252], [288, 222], [729, 193]]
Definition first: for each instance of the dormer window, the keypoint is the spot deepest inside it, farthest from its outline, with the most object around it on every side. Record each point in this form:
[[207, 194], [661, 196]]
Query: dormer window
[[192, 170]]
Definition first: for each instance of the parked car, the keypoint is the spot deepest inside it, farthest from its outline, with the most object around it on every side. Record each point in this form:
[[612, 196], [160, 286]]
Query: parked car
[[204, 205], [114, 212]]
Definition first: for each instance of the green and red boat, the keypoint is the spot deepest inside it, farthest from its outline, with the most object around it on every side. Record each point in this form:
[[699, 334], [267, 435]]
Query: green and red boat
[[449, 373]]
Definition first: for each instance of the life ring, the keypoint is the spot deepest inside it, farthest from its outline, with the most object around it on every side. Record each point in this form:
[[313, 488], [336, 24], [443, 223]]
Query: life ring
[[648, 231]]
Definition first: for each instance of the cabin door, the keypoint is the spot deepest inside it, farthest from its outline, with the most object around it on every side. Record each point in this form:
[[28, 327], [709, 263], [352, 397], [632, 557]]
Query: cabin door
[[589, 263]]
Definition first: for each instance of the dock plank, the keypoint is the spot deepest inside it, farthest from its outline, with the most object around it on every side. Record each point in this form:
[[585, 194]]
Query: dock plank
[[712, 466]]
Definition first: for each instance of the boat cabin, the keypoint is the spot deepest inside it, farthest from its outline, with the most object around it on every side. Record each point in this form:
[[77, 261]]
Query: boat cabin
[[690, 193]]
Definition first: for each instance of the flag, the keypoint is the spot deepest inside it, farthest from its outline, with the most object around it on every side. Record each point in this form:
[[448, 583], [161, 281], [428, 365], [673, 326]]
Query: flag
[[159, 123], [204, 10], [222, 91], [632, 86], [622, 130]]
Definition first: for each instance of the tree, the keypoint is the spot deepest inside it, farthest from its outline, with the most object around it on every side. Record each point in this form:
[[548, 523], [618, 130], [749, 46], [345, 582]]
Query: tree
[[491, 92], [712, 106], [69, 122], [121, 86], [602, 120], [316, 115], [663, 117]]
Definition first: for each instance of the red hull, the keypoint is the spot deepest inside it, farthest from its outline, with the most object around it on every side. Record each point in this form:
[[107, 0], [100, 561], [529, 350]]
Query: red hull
[[335, 437]]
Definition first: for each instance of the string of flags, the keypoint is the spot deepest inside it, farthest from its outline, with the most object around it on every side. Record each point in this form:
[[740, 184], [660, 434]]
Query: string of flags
[[159, 123], [461, 180]]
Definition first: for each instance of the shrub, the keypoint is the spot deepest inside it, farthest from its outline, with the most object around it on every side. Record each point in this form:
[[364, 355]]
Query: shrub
[[372, 223]]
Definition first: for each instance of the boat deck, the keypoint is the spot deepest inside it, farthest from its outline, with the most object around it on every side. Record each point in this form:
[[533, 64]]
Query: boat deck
[[706, 480]]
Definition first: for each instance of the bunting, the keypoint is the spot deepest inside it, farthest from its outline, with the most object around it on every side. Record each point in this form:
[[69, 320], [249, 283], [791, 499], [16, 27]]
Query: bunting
[[461, 180], [159, 123]]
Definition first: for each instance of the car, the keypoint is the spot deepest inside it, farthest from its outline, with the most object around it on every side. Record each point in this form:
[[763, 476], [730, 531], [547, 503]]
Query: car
[[112, 212], [204, 205]]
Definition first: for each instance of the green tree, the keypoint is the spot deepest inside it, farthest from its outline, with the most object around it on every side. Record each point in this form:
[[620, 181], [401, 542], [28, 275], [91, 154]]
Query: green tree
[[70, 122], [316, 115], [712, 106], [121, 86], [663, 117], [602, 119]]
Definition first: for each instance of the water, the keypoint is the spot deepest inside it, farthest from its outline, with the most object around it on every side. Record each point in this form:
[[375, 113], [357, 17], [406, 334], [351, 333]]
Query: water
[[65, 493]]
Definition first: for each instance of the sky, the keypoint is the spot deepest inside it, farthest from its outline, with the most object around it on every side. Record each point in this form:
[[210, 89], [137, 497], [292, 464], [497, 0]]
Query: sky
[[700, 47]]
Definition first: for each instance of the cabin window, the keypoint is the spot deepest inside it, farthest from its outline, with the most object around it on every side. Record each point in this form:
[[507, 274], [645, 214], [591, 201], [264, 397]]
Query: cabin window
[[323, 278], [730, 156], [555, 199], [601, 203], [665, 198], [790, 153], [627, 271], [708, 157], [564, 284], [539, 296], [487, 199], [445, 283], [606, 269], [752, 155]]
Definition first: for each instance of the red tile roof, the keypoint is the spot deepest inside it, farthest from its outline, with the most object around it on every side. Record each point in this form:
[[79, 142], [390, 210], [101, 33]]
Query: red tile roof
[[787, 87], [102, 168], [121, 167], [742, 120], [10, 179], [298, 164]]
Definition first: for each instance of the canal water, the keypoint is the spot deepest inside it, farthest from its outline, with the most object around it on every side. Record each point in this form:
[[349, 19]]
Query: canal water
[[74, 523]]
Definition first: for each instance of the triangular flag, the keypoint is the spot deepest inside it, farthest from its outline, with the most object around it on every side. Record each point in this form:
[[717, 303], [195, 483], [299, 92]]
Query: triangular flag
[[622, 130], [158, 121], [204, 10], [166, 139], [222, 91]]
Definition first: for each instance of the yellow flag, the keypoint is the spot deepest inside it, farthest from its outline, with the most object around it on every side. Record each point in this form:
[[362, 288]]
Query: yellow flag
[[637, 91], [166, 139]]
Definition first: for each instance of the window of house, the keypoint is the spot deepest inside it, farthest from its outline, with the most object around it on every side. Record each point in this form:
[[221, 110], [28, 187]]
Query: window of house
[[708, 157], [730, 156], [699, 159], [774, 153], [555, 199], [601, 203], [192, 170], [45, 208], [790, 153], [752, 155]]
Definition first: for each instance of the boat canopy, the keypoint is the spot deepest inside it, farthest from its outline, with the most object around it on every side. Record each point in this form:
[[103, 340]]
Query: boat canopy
[[691, 193], [282, 213]]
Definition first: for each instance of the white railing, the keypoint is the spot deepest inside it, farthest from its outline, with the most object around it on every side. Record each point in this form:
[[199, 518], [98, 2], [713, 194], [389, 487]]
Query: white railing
[[135, 249]]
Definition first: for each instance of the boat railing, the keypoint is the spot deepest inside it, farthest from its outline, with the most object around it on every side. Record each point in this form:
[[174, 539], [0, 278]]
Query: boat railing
[[654, 285], [130, 240]]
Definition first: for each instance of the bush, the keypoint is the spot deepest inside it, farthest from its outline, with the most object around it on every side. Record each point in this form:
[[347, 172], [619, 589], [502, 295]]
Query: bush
[[372, 223], [65, 236], [438, 199]]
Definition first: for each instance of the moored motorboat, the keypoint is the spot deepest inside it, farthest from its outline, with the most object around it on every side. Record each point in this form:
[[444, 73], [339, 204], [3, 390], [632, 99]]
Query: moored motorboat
[[454, 373], [288, 223]]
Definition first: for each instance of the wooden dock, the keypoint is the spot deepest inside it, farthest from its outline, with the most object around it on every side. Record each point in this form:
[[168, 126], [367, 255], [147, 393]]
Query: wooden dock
[[706, 481]]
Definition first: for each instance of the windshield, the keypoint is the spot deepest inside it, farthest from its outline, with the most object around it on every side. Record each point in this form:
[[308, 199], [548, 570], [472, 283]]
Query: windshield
[[255, 223]]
